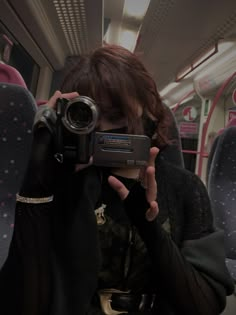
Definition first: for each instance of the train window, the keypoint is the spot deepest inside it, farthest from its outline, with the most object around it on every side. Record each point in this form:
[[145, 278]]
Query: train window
[[19, 58], [27, 67], [5, 48]]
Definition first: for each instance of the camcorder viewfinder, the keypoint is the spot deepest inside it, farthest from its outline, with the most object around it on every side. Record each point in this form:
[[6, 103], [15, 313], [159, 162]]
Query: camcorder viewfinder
[[76, 139]]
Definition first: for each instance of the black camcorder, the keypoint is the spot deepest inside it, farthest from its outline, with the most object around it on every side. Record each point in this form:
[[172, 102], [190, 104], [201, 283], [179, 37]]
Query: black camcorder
[[76, 139]]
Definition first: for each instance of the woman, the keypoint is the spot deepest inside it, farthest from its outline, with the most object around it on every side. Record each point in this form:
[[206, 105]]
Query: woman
[[99, 240]]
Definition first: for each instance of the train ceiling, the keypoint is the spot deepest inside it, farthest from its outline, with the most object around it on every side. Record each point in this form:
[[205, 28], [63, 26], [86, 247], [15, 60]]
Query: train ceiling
[[175, 33], [172, 34]]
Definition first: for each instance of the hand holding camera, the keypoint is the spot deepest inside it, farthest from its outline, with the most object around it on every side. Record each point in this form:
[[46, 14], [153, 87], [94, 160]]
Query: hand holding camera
[[39, 177], [76, 140]]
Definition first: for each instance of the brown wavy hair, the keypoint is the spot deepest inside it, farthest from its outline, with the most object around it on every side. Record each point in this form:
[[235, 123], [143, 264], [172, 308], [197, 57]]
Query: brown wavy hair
[[118, 82]]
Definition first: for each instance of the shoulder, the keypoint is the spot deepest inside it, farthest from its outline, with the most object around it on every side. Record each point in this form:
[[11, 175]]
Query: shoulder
[[176, 175], [188, 200], [186, 187]]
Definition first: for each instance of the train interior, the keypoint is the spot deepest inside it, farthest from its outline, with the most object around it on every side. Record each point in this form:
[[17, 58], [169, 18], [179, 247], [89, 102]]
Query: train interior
[[188, 46]]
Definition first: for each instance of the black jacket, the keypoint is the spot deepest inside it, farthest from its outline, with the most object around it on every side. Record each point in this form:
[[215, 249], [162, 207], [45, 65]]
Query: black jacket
[[55, 258]]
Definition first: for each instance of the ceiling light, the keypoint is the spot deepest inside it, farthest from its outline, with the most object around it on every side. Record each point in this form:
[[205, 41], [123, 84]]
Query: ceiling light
[[136, 8], [128, 39], [168, 88]]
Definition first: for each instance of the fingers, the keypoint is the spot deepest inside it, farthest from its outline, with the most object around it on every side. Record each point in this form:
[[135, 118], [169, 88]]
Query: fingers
[[70, 95], [119, 187], [151, 184], [152, 157], [58, 94], [53, 99], [144, 175], [151, 162], [123, 192], [152, 212], [148, 181]]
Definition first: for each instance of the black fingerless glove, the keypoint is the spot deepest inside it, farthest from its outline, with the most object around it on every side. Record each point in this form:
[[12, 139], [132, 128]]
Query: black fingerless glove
[[136, 206], [39, 178]]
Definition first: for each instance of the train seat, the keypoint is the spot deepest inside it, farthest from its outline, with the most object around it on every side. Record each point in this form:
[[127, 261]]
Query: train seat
[[173, 152], [232, 122], [222, 191], [17, 110], [8, 74], [211, 155]]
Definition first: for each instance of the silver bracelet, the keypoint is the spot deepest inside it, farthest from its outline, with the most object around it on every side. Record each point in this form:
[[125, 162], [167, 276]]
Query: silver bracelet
[[34, 200]]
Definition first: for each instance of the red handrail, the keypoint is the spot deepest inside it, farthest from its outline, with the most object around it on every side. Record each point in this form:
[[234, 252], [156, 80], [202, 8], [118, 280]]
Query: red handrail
[[205, 154], [205, 126]]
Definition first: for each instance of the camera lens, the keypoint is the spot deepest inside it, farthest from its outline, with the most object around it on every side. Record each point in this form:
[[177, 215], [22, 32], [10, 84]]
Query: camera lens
[[80, 115]]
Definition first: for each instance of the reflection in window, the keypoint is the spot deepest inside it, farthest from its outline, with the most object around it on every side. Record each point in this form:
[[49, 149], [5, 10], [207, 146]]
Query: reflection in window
[[17, 57]]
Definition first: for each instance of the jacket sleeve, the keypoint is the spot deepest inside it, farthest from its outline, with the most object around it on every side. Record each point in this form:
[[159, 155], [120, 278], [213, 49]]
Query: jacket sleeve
[[54, 257], [194, 278], [25, 277]]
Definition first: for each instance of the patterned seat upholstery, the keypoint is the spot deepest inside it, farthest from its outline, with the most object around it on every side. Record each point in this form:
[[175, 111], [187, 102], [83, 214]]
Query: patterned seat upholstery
[[17, 110], [210, 156], [222, 191], [232, 122]]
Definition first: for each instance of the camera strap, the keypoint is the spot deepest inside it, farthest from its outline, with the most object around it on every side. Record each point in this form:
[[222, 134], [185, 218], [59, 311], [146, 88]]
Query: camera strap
[[45, 117]]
